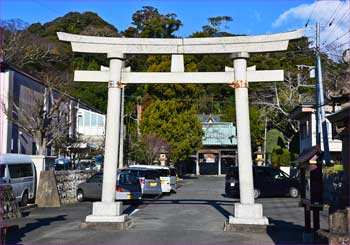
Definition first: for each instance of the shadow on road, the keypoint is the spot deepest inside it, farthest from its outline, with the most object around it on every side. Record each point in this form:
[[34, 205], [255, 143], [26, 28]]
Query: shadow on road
[[282, 232], [217, 204], [16, 235], [188, 177]]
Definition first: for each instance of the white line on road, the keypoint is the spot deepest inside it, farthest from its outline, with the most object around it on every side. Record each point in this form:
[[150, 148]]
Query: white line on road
[[134, 212]]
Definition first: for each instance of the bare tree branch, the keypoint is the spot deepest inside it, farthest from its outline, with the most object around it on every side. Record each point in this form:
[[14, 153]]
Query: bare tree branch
[[42, 114], [286, 96]]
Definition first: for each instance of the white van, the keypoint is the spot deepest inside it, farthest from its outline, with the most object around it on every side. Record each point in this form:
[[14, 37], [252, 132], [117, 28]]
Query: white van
[[18, 171], [173, 178], [164, 173]]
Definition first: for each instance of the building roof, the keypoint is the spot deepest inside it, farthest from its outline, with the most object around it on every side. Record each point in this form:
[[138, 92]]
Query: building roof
[[340, 115], [219, 133], [303, 109], [209, 118], [308, 154]]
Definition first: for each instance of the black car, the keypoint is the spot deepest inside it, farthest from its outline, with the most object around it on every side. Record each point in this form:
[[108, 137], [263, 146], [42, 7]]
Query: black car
[[268, 181]]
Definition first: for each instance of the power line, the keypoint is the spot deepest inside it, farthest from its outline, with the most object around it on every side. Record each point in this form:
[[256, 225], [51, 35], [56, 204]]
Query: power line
[[336, 39], [332, 16], [331, 26], [341, 19], [339, 46], [308, 20], [337, 55]]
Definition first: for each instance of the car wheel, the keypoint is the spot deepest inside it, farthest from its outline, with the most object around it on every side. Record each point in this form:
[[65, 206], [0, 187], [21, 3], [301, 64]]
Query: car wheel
[[256, 193], [24, 200], [293, 192], [80, 195]]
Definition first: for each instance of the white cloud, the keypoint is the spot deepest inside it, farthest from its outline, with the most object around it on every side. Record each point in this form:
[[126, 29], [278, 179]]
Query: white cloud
[[323, 12]]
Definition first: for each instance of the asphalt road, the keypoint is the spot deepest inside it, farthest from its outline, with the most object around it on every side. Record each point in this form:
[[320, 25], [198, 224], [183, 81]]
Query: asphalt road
[[195, 215]]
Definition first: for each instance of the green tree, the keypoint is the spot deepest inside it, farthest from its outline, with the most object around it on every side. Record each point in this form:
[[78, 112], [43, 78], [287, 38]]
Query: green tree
[[215, 27], [175, 123], [273, 138], [257, 126], [280, 156], [150, 23]]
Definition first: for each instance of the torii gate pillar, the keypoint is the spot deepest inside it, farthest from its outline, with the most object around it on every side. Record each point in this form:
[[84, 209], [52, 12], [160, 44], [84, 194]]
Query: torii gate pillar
[[108, 210], [247, 211]]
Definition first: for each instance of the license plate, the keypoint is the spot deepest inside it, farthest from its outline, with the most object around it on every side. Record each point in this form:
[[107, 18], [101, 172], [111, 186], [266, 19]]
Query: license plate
[[232, 184], [129, 196], [162, 182], [153, 184]]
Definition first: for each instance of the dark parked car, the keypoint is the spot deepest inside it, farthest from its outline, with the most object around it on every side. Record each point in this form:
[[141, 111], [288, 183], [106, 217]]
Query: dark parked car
[[127, 187], [268, 181]]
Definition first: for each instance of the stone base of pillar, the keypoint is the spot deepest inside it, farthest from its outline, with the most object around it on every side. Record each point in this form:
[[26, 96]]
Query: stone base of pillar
[[106, 226], [106, 212], [244, 228], [248, 214]]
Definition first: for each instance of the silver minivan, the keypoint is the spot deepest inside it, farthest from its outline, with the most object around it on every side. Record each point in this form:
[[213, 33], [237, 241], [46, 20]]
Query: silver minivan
[[164, 175], [18, 171], [149, 180], [127, 188]]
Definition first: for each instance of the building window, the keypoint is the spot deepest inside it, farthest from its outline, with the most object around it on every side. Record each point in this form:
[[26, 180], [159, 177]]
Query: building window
[[87, 119], [100, 120], [93, 120], [80, 120]]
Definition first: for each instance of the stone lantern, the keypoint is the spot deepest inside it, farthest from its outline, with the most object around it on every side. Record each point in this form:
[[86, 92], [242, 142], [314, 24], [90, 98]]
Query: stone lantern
[[163, 155], [259, 160]]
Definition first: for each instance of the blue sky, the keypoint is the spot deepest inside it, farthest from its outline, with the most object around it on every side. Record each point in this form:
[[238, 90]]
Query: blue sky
[[249, 17]]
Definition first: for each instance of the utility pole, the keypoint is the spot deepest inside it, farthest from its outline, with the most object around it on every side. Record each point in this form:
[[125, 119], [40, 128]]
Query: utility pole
[[320, 111], [265, 134]]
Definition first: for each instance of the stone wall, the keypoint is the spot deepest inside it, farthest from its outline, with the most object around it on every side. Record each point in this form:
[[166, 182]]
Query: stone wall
[[68, 181], [8, 206]]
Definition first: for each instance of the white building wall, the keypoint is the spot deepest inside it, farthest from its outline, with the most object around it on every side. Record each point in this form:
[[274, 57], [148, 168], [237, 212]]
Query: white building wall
[[4, 98], [90, 123], [334, 145]]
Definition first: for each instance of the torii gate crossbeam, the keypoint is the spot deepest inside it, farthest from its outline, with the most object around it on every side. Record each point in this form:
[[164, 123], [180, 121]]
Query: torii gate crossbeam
[[247, 211]]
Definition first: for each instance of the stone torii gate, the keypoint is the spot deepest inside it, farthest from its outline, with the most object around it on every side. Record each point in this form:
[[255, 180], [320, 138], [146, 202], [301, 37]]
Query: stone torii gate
[[247, 211]]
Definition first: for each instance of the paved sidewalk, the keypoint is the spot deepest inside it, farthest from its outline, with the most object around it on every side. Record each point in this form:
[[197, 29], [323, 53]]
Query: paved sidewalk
[[195, 215]]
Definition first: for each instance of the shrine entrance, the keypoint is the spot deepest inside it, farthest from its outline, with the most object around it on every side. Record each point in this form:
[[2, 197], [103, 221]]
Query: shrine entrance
[[246, 212]]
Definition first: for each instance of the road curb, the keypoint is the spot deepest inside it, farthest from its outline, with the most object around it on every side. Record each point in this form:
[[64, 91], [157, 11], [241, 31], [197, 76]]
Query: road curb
[[30, 206]]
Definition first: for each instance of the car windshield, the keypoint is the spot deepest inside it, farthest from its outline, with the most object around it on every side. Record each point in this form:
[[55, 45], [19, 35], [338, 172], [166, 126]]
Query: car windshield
[[128, 179], [151, 174], [164, 172], [97, 178]]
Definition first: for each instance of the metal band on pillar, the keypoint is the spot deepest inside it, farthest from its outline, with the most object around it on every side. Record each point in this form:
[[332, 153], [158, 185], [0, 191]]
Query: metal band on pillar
[[116, 84], [239, 84]]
